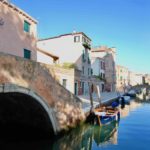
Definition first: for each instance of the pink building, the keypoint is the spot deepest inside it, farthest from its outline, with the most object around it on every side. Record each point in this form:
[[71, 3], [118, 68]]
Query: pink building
[[18, 31]]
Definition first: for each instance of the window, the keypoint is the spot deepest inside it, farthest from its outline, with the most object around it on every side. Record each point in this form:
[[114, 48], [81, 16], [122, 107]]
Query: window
[[83, 70], [26, 26], [104, 65], [64, 83], [82, 87], [83, 56], [121, 78], [84, 40], [89, 71], [101, 65], [27, 54], [89, 61], [80, 84], [103, 76], [77, 39]]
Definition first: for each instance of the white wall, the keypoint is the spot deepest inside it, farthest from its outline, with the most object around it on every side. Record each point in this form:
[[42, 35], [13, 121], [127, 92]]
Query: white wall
[[69, 51], [135, 79], [96, 66], [44, 58], [63, 47], [95, 63]]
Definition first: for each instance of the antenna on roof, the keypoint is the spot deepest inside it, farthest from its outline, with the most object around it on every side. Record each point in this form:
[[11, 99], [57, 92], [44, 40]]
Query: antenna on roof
[[74, 31]]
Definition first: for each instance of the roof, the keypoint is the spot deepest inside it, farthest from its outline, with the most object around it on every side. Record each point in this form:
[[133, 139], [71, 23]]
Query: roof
[[15, 8], [95, 57], [122, 67], [48, 54], [76, 33], [102, 49]]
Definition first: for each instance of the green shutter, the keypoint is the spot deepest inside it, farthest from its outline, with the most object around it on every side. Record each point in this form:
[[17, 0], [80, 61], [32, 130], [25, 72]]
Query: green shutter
[[27, 54], [26, 26]]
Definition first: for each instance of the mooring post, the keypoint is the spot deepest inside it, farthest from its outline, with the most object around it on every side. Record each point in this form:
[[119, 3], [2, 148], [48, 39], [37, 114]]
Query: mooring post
[[91, 97], [99, 94]]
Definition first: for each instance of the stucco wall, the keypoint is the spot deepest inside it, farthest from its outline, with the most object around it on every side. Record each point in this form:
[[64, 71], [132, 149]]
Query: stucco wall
[[122, 72], [62, 47], [42, 58], [13, 39], [62, 73], [66, 49]]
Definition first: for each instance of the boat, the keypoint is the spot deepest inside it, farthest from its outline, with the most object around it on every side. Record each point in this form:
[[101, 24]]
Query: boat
[[131, 93], [105, 115], [124, 100]]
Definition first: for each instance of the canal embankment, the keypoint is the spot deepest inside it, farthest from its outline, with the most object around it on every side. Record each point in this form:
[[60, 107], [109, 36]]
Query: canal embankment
[[105, 99]]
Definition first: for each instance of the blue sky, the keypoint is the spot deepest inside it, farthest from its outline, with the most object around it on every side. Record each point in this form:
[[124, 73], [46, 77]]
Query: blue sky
[[124, 24]]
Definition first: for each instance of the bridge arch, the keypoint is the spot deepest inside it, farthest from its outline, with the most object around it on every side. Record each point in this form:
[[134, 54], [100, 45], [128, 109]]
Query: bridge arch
[[26, 102]]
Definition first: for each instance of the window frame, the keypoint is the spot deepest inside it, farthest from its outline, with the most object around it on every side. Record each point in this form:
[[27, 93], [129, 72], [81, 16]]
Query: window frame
[[64, 81], [26, 26], [26, 55], [76, 39]]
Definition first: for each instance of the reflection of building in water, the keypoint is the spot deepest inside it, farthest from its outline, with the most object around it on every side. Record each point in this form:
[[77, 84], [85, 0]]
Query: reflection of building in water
[[148, 97], [134, 105], [106, 135], [125, 111], [114, 138], [85, 136]]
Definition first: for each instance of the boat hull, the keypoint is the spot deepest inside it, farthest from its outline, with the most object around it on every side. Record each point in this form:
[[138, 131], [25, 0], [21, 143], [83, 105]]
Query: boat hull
[[106, 118]]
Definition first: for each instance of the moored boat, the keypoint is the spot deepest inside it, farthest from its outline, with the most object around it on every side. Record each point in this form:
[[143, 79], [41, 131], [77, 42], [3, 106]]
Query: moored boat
[[131, 93], [124, 100], [105, 115]]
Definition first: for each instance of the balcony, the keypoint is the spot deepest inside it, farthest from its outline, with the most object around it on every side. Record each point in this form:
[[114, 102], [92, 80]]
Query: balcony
[[87, 46]]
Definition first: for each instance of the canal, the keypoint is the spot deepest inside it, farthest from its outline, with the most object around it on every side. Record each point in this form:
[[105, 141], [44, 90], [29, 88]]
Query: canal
[[132, 132]]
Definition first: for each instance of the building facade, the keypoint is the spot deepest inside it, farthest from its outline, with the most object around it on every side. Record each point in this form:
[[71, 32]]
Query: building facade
[[73, 50], [98, 71], [146, 79], [122, 74], [135, 78], [46, 57], [109, 56], [18, 31]]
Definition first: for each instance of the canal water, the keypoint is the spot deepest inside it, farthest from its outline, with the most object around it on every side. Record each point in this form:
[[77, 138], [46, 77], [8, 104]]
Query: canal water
[[131, 133]]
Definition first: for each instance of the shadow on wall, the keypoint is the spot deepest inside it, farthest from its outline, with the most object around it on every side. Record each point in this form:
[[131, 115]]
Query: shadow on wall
[[110, 73]]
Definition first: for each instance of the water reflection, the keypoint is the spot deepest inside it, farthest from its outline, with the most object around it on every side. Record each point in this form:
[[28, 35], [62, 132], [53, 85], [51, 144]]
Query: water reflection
[[85, 136], [125, 111]]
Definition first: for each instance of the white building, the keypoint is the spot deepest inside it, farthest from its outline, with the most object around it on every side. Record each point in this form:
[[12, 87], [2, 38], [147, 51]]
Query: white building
[[46, 57], [98, 69], [73, 49], [122, 74], [109, 56], [147, 79], [135, 79]]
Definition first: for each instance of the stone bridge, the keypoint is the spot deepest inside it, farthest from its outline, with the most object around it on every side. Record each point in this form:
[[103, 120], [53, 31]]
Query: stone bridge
[[31, 96]]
